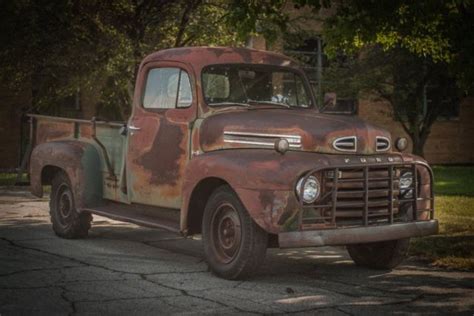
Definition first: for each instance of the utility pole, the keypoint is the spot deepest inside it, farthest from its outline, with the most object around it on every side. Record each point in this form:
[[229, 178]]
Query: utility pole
[[319, 69]]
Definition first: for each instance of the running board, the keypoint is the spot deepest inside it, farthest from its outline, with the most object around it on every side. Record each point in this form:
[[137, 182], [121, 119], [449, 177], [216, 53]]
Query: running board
[[142, 215]]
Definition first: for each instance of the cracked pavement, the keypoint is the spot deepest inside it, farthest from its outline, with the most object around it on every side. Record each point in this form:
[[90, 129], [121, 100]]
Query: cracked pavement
[[125, 269]]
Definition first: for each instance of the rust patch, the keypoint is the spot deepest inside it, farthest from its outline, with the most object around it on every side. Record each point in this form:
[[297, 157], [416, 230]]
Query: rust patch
[[317, 131], [163, 158], [49, 130]]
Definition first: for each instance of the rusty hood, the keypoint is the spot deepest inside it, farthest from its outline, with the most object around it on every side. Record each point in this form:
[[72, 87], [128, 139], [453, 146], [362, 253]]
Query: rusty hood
[[305, 130]]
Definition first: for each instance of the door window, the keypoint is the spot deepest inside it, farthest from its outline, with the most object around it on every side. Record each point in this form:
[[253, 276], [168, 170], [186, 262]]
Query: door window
[[167, 88]]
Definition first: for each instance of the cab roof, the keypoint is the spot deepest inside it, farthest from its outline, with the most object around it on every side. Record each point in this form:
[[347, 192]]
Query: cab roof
[[200, 57]]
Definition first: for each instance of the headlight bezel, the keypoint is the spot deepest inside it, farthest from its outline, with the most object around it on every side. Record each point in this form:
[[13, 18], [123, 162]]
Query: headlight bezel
[[407, 177], [406, 189], [401, 144], [312, 181]]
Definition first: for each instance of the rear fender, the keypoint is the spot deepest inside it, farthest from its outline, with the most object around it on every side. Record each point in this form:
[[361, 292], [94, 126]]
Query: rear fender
[[79, 160]]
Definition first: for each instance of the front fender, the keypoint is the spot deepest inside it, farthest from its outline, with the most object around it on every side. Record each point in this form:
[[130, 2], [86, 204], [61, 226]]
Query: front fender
[[81, 162], [264, 180]]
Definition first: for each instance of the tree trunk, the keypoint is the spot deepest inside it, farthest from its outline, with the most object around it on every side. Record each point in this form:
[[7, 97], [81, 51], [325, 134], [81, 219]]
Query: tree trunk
[[418, 145]]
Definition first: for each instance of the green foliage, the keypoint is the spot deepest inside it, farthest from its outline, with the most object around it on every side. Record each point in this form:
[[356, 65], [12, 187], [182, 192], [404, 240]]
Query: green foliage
[[398, 49], [438, 30], [63, 46], [257, 17]]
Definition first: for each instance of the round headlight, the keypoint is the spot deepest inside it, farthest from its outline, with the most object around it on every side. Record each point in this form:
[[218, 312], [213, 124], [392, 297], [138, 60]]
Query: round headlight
[[311, 189], [406, 180], [401, 143]]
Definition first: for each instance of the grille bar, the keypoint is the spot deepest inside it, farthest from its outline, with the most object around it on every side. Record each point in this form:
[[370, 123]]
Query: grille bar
[[390, 194], [369, 200]]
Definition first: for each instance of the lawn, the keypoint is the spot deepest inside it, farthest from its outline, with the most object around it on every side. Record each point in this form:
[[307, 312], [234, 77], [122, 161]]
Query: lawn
[[9, 178], [454, 207]]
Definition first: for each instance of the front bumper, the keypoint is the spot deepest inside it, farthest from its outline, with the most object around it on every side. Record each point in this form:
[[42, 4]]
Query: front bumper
[[356, 235]]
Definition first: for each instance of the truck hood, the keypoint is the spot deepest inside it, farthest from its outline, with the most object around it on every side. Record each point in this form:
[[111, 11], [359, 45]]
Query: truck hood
[[305, 130]]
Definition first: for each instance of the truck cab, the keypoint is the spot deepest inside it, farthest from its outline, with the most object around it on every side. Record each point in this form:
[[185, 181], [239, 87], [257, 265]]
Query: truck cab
[[230, 143]]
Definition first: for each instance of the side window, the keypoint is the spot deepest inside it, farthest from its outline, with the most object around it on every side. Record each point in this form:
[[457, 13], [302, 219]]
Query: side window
[[167, 88]]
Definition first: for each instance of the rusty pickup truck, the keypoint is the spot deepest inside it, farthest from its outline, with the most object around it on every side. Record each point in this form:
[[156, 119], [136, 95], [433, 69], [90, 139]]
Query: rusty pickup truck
[[229, 143]]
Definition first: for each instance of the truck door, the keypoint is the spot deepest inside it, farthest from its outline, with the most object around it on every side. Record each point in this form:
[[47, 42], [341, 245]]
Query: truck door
[[159, 134]]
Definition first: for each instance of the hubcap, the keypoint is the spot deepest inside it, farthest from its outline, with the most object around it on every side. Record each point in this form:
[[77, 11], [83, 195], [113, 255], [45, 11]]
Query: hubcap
[[65, 204], [226, 232]]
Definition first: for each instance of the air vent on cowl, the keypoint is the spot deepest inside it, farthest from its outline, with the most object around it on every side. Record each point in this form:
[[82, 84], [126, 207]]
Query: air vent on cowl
[[382, 143], [348, 143]]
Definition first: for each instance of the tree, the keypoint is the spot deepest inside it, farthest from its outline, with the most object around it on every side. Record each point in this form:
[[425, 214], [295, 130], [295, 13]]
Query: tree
[[401, 47], [63, 46]]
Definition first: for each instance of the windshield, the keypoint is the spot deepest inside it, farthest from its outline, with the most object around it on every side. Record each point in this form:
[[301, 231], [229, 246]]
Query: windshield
[[254, 85]]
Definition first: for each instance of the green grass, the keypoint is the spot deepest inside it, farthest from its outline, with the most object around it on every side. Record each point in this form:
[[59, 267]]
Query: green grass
[[454, 208], [454, 180], [7, 178]]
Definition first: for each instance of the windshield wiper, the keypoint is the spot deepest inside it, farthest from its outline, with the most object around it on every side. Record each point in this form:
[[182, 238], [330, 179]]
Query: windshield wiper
[[256, 102], [229, 104]]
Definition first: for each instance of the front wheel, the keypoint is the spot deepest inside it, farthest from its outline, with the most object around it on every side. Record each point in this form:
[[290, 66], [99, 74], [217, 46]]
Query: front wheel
[[380, 255], [234, 245]]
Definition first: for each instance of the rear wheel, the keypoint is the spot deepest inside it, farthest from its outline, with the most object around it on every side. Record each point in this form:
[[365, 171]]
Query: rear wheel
[[380, 255], [234, 245], [67, 222]]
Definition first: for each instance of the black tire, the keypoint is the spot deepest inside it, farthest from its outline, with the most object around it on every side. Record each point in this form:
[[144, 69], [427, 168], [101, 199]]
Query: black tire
[[234, 245], [67, 222], [380, 255]]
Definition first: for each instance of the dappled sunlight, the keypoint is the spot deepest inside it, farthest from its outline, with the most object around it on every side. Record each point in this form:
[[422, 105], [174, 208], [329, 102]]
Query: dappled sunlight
[[311, 253], [302, 279], [315, 299]]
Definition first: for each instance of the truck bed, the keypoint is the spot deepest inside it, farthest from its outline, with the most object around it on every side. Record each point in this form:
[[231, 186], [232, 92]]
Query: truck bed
[[105, 136]]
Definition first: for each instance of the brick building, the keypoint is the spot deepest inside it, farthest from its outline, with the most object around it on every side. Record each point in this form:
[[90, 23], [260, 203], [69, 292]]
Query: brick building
[[451, 140]]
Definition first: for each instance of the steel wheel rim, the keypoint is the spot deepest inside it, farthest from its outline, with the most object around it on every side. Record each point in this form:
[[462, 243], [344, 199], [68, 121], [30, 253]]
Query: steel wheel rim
[[226, 233], [64, 204]]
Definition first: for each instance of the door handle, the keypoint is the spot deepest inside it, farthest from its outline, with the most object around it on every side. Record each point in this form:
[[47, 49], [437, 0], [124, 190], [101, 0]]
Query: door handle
[[133, 128]]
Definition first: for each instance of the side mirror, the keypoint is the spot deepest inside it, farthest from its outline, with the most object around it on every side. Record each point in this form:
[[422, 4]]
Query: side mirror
[[330, 100], [342, 106]]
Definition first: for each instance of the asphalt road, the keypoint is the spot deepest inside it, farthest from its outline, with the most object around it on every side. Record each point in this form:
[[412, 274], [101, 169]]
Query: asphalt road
[[125, 269]]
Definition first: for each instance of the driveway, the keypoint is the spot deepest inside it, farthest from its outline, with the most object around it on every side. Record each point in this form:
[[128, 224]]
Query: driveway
[[125, 269]]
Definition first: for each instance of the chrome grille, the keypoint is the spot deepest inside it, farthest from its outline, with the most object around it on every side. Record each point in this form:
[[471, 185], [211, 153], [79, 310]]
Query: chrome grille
[[361, 196]]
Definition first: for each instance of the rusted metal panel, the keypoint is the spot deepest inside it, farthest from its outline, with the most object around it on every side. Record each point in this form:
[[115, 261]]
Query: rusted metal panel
[[48, 131], [265, 180], [356, 235], [159, 152], [199, 57], [79, 160], [52, 135], [317, 131], [176, 149]]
